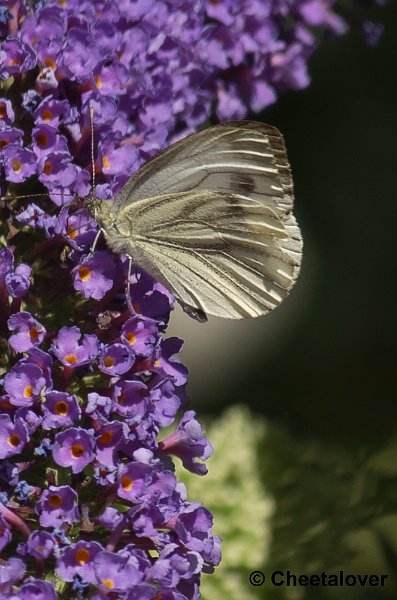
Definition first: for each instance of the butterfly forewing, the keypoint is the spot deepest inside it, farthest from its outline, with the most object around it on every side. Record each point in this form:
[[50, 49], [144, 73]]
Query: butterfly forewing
[[210, 217]]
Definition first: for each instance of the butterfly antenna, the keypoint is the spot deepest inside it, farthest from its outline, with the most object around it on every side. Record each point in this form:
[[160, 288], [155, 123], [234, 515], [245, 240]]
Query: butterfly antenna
[[92, 149], [42, 195]]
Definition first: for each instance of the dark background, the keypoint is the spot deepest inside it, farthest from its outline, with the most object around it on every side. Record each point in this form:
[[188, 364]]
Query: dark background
[[321, 369]]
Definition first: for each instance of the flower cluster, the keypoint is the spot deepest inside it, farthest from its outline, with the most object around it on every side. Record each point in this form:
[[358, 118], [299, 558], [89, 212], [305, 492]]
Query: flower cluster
[[90, 505]]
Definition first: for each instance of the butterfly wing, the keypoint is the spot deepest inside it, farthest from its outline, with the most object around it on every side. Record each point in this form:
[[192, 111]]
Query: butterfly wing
[[211, 219]]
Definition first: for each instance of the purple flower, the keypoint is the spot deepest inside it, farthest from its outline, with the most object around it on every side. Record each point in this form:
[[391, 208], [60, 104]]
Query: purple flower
[[110, 518], [18, 281], [141, 334], [73, 448], [37, 589], [79, 54], [372, 32], [10, 572], [29, 332], [78, 559], [114, 572], [55, 168], [98, 406], [139, 481], [40, 544], [15, 57], [60, 409], [29, 417], [5, 533], [51, 111], [6, 111], [74, 349], [56, 506], [80, 230], [151, 299], [9, 135], [193, 527], [24, 383], [175, 564], [131, 398], [111, 77], [33, 216], [116, 359], [19, 163], [44, 31], [94, 276], [46, 139], [134, 481], [43, 361], [107, 442], [188, 443], [174, 368], [6, 263], [115, 160], [165, 403]]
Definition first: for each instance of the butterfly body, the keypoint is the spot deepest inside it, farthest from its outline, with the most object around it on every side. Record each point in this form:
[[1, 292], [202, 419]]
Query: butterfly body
[[211, 218]]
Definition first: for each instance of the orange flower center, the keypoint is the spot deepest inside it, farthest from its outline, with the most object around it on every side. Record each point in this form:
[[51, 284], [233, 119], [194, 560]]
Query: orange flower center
[[72, 232], [62, 408], [16, 166], [106, 437], [41, 140], [127, 483], [28, 391], [3, 110], [84, 273], [77, 450], [14, 440], [71, 359], [34, 334], [105, 162], [47, 169], [82, 556], [50, 63], [55, 501], [47, 114], [109, 583], [109, 361], [130, 337], [98, 82]]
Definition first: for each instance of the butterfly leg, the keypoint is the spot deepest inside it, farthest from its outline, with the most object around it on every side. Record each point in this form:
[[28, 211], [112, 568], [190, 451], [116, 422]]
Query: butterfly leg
[[94, 243], [129, 303]]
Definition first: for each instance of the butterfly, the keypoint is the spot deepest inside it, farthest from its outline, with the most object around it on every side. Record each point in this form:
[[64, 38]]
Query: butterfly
[[211, 218]]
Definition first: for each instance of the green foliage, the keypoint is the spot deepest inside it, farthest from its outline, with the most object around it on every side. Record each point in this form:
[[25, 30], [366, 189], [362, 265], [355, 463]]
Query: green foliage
[[233, 492]]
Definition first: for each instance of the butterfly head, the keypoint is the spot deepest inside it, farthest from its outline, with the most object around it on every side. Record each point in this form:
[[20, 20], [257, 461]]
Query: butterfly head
[[92, 204]]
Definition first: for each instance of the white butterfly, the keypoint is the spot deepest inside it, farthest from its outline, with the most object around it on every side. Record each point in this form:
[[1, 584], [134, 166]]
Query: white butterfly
[[211, 218]]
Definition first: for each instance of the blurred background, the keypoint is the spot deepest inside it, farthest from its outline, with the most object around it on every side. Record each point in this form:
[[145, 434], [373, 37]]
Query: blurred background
[[319, 373]]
